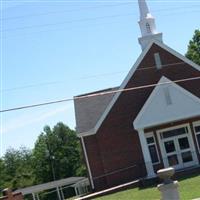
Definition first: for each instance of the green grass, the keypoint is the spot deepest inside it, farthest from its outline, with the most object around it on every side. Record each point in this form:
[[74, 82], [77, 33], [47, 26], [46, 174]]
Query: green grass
[[189, 188]]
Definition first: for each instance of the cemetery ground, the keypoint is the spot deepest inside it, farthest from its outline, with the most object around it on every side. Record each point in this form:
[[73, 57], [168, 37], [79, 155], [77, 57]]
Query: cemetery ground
[[189, 188]]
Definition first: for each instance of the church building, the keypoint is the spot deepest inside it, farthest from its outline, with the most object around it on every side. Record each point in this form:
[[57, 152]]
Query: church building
[[151, 121]]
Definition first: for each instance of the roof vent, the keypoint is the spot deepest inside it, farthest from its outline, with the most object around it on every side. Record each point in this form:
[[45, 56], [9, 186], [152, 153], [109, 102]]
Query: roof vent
[[167, 96], [157, 60]]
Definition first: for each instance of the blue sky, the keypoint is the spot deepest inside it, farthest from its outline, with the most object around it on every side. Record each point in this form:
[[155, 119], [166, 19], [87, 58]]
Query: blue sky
[[58, 49]]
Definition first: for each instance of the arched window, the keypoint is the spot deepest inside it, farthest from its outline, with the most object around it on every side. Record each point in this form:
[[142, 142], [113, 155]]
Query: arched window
[[148, 28]]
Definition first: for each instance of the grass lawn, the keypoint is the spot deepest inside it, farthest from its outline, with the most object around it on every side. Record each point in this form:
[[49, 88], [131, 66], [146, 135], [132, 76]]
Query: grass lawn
[[189, 188]]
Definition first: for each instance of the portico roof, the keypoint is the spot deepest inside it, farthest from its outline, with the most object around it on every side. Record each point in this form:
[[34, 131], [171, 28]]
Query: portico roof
[[50, 185], [168, 102]]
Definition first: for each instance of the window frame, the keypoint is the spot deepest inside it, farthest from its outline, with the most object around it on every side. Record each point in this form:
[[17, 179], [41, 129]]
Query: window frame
[[149, 135], [195, 124]]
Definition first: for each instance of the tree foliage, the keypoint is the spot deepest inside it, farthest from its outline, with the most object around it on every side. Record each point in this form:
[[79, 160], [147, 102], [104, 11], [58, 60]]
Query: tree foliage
[[56, 155], [193, 52], [16, 168]]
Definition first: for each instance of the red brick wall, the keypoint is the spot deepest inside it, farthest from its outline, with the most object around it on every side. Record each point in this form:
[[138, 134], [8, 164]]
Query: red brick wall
[[116, 144], [11, 196]]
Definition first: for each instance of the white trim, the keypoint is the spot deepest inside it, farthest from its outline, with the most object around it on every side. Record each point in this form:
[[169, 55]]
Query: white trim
[[87, 162], [148, 135], [146, 154], [194, 124], [168, 82], [178, 55], [130, 74], [191, 143], [123, 85], [88, 133]]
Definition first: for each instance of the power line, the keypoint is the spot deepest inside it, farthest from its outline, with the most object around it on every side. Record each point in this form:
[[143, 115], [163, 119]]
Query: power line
[[94, 1], [83, 78], [86, 8], [29, 34], [98, 94], [59, 82], [66, 22], [75, 20], [62, 11]]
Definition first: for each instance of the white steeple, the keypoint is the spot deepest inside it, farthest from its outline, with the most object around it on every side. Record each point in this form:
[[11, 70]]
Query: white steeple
[[147, 25]]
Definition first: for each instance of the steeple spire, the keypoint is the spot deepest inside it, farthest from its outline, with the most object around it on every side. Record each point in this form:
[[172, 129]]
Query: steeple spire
[[147, 25], [144, 10]]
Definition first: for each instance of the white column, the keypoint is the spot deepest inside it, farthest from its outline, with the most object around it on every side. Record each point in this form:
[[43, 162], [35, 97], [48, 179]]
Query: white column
[[146, 154], [38, 198], [33, 196], [58, 192], [62, 194], [76, 191]]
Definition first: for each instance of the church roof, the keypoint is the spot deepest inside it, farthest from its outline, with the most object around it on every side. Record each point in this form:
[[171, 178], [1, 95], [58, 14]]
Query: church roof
[[91, 112], [167, 103]]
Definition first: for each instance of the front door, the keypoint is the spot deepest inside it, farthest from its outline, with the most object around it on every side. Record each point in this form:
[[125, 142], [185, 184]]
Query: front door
[[177, 147]]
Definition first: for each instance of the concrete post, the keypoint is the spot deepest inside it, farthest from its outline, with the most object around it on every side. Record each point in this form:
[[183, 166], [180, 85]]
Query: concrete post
[[169, 188]]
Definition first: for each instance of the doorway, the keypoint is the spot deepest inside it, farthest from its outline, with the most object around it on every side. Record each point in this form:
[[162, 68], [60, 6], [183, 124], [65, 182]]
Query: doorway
[[177, 147]]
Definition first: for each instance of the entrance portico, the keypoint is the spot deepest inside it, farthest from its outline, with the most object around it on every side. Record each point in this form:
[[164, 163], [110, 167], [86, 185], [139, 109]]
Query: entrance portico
[[168, 104], [177, 147]]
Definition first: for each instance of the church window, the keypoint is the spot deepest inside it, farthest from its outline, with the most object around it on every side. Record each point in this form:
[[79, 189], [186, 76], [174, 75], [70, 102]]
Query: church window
[[197, 133], [148, 28], [151, 143]]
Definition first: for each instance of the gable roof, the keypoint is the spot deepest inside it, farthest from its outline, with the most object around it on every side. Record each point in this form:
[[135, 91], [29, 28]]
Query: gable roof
[[128, 77], [93, 107], [168, 102]]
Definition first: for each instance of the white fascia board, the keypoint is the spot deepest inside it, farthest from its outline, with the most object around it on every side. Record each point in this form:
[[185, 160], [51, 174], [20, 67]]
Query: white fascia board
[[178, 55], [123, 85], [87, 133], [162, 82], [87, 162], [130, 74], [197, 114]]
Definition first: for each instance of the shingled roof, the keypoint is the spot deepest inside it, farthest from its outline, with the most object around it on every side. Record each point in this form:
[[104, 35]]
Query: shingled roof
[[89, 110]]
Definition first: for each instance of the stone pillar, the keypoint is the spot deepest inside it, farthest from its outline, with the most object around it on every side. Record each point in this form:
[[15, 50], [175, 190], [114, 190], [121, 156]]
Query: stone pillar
[[146, 154], [169, 188]]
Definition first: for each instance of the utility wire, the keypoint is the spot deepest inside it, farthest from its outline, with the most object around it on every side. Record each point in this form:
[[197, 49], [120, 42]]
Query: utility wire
[[84, 78], [76, 20], [98, 94], [66, 22], [92, 1], [63, 11], [29, 34], [86, 8]]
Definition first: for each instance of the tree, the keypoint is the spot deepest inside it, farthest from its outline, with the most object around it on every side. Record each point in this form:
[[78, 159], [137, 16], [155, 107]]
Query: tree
[[193, 52], [56, 154], [17, 168], [2, 174]]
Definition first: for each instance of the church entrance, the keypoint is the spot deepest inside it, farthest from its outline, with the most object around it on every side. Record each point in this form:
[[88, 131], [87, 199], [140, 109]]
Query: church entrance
[[177, 147]]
